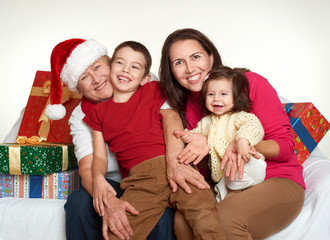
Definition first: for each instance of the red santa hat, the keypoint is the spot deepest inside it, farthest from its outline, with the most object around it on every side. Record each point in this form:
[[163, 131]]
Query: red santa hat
[[69, 60]]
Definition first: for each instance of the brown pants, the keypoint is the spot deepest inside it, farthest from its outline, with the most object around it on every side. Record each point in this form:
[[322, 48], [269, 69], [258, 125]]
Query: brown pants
[[147, 189], [257, 212]]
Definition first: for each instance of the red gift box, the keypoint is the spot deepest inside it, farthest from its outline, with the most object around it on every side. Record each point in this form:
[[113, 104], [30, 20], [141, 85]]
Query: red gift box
[[309, 127], [36, 123]]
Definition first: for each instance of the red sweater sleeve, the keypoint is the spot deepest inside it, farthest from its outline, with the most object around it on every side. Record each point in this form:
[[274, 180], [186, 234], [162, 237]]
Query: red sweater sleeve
[[94, 117], [267, 106]]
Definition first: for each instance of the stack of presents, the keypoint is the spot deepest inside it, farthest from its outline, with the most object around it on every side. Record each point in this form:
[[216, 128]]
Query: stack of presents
[[48, 169], [41, 164]]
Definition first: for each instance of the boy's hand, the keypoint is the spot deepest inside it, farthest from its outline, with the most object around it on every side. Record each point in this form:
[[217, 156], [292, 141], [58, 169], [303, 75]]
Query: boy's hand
[[116, 220], [101, 189]]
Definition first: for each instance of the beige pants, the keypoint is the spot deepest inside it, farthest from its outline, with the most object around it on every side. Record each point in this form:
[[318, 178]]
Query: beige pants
[[147, 189], [256, 213]]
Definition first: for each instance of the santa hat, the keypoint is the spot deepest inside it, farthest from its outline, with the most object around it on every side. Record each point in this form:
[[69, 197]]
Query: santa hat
[[69, 60]]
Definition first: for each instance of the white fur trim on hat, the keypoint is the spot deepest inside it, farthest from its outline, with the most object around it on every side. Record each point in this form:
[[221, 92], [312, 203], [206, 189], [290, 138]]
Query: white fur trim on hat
[[55, 111], [79, 60]]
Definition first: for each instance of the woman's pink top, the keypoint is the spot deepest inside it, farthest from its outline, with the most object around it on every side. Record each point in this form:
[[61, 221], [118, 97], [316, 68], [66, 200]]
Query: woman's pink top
[[268, 108]]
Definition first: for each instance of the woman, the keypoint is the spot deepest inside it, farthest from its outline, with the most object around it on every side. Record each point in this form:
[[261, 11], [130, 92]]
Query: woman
[[264, 209]]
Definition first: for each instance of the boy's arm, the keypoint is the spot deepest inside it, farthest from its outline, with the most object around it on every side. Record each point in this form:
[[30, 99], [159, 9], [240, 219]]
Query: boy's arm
[[114, 218], [99, 168], [178, 173]]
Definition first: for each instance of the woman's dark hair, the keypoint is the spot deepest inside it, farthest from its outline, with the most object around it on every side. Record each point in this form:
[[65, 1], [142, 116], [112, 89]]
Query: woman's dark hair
[[240, 83], [176, 94], [138, 47]]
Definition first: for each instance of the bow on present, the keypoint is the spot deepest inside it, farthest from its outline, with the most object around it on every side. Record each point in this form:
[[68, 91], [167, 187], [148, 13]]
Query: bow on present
[[31, 140], [44, 91]]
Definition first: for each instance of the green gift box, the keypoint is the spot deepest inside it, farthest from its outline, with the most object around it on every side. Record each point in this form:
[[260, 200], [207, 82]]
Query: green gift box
[[36, 159]]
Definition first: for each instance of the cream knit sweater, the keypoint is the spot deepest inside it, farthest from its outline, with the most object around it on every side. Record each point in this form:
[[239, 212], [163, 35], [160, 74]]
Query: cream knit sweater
[[221, 131]]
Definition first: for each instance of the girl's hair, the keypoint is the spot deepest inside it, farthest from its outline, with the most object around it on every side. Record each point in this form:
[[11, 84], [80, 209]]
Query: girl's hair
[[176, 94], [138, 47], [240, 83]]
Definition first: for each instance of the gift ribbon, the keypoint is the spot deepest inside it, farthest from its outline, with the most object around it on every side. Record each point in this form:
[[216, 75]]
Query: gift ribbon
[[35, 186], [14, 160], [31, 140], [300, 130], [15, 157], [44, 91], [287, 107], [303, 133]]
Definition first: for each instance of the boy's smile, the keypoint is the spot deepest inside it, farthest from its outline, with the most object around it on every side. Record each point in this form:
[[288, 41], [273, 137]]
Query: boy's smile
[[127, 73]]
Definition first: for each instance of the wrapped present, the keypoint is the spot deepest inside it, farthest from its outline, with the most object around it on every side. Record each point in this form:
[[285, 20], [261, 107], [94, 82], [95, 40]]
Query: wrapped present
[[309, 127], [36, 159], [51, 186], [36, 123]]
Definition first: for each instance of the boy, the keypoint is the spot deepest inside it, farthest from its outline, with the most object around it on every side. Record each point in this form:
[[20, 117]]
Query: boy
[[130, 122]]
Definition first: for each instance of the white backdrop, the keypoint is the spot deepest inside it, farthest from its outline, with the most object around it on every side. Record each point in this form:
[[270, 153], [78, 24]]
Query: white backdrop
[[287, 41]]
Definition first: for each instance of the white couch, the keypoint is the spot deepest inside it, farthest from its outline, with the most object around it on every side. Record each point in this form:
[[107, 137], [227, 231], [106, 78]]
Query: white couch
[[34, 219]]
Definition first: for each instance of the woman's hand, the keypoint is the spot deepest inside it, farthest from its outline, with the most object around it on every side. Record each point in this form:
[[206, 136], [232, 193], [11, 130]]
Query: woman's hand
[[116, 220], [177, 173], [230, 162], [101, 189], [196, 149], [180, 174]]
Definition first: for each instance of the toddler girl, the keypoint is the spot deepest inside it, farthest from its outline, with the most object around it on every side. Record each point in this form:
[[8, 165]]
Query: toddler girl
[[225, 95]]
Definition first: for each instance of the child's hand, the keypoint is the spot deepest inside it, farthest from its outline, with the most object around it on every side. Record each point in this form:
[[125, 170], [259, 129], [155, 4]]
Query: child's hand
[[254, 153], [184, 135], [101, 188], [244, 151], [196, 149]]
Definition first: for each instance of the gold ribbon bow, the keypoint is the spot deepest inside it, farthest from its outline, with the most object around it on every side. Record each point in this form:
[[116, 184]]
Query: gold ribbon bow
[[31, 140], [45, 92]]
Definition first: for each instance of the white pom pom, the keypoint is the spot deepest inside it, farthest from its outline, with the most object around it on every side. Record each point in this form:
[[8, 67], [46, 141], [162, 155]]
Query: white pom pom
[[55, 111]]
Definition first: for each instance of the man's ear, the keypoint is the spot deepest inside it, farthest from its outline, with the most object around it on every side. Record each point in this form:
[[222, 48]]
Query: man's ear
[[146, 79]]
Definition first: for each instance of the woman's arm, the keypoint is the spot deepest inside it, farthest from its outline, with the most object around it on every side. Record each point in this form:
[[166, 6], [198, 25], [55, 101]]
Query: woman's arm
[[85, 172], [268, 148], [278, 143], [83, 147], [178, 173]]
